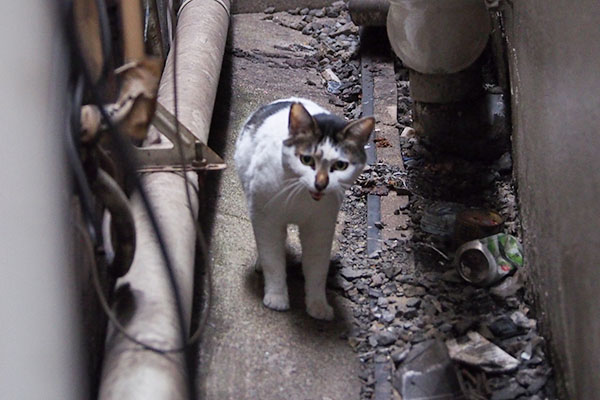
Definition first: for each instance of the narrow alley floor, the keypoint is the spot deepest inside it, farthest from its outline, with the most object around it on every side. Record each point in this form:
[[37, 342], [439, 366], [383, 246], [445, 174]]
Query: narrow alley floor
[[249, 351], [388, 303]]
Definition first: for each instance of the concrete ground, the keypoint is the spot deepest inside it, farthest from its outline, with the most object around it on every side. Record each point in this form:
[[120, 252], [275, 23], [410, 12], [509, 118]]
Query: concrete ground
[[249, 351]]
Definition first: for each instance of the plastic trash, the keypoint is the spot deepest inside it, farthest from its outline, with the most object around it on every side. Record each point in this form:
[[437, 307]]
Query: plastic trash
[[428, 373], [479, 352], [439, 219], [486, 261]]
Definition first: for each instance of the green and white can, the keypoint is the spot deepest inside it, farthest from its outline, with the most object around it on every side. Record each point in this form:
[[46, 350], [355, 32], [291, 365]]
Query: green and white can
[[486, 261]]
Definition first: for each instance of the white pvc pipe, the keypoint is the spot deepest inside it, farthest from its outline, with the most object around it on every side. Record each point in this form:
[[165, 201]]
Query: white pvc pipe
[[40, 348], [145, 301]]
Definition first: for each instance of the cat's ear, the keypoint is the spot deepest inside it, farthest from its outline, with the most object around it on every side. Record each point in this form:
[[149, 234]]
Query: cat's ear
[[359, 130], [300, 122]]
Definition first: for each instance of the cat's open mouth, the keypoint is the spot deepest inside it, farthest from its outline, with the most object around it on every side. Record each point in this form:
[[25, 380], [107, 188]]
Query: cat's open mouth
[[316, 196]]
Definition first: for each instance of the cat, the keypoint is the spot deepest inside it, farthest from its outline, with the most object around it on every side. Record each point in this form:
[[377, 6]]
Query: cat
[[295, 160]]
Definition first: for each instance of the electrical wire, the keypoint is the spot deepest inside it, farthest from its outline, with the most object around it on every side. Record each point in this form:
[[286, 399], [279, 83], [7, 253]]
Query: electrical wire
[[123, 150], [201, 241], [78, 170]]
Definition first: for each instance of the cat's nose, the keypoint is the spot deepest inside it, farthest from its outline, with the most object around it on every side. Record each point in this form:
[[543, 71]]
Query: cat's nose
[[321, 181]]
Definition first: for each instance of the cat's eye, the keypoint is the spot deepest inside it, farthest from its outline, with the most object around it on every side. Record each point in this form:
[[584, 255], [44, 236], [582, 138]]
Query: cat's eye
[[339, 166], [307, 160]]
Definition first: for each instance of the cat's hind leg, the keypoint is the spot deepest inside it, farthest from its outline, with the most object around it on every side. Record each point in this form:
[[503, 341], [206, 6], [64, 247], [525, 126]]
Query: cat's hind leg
[[316, 241], [270, 243]]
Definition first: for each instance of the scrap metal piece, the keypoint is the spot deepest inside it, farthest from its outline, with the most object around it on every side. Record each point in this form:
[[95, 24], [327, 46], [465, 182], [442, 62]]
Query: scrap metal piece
[[479, 352], [428, 373]]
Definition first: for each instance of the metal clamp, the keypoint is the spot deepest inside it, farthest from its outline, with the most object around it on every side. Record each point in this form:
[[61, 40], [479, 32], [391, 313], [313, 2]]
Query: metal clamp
[[196, 155]]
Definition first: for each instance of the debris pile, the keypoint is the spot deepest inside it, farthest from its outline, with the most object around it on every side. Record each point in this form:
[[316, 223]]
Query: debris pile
[[410, 293], [334, 49], [412, 311]]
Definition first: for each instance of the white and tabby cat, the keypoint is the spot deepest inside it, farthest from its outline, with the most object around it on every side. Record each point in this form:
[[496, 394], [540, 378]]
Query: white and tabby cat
[[295, 161]]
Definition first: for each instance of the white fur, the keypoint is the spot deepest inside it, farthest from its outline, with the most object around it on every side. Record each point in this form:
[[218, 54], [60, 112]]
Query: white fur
[[277, 187]]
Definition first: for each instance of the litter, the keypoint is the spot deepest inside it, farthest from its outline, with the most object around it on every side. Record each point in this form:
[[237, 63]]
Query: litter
[[477, 351]]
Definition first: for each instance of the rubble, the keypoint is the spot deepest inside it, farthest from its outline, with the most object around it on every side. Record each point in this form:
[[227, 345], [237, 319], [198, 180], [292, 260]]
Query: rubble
[[428, 373], [479, 352]]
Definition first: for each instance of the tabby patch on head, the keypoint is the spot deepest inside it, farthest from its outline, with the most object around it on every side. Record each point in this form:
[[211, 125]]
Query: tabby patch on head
[[328, 145]]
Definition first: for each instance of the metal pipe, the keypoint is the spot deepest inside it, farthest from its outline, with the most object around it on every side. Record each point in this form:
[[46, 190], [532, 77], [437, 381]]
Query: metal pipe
[[144, 301], [131, 25], [369, 12]]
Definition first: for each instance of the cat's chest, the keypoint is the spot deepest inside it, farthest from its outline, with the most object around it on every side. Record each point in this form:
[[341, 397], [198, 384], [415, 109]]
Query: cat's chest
[[302, 209]]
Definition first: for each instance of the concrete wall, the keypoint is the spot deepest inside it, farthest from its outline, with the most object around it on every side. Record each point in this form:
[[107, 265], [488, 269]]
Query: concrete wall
[[554, 54]]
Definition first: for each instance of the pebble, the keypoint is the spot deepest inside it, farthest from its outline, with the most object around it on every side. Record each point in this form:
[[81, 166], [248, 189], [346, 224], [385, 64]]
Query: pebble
[[504, 327], [400, 355], [509, 392], [352, 273], [413, 302], [386, 337]]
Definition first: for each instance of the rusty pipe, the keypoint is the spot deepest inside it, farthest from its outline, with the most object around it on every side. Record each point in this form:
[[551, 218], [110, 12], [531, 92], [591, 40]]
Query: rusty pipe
[[131, 24]]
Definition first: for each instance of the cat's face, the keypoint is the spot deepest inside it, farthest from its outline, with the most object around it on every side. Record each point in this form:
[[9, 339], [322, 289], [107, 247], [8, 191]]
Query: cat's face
[[324, 153]]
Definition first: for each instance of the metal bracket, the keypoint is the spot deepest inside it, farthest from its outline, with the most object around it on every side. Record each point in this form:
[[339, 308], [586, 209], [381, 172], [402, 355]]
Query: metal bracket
[[197, 156]]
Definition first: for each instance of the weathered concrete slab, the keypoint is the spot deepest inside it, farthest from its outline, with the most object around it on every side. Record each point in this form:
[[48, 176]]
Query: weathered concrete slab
[[250, 352]]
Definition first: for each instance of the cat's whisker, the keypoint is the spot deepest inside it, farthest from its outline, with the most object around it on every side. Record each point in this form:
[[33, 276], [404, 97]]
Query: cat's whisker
[[296, 190], [281, 192]]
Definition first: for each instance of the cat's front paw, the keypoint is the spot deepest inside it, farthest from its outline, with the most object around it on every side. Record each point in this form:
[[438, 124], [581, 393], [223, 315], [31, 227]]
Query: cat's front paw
[[277, 301], [320, 310]]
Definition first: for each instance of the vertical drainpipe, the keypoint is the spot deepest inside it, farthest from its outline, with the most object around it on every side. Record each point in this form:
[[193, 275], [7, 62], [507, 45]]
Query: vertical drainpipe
[[143, 298]]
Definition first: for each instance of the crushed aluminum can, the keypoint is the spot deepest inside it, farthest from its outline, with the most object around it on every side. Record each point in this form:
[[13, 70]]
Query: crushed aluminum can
[[486, 261]]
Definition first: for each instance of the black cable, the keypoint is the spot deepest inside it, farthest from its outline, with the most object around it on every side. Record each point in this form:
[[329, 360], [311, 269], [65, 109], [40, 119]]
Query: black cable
[[105, 35], [78, 170]]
